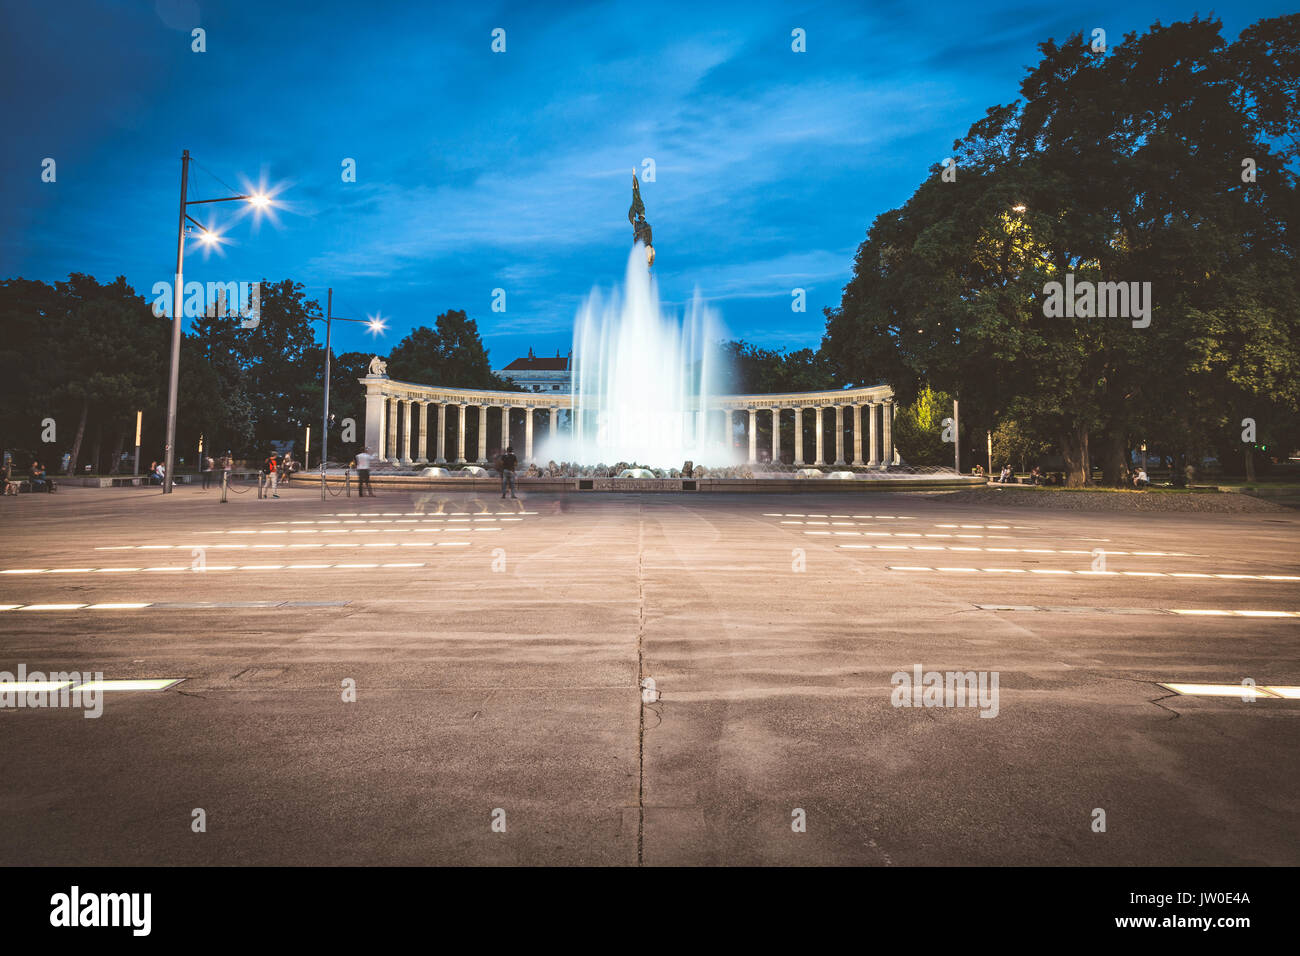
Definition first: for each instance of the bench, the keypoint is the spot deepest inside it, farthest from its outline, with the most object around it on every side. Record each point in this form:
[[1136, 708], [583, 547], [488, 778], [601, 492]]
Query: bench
[[25, 485]]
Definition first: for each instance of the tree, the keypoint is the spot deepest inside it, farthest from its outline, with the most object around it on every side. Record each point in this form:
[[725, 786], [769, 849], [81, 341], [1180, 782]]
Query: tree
[[918, 429], [81, 354], [1014, 444], [1124, 167], [749, 369], [451, 354]]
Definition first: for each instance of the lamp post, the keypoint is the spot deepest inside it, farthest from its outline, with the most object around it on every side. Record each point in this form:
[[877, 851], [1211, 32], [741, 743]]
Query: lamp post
[[376, 326], [956, 439], [207, 235]]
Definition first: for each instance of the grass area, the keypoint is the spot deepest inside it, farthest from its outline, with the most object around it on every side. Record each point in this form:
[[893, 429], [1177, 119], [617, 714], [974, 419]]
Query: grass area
[[1292, 487], [1199, 490]]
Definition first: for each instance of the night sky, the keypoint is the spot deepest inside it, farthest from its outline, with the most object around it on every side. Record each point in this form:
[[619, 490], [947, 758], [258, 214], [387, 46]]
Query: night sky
[[479, 170]]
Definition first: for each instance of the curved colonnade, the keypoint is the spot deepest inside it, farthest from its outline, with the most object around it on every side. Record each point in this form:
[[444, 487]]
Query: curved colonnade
[[398, 416]]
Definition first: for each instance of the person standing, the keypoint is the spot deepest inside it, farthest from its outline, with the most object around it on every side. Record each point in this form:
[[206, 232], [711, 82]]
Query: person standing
[[362, 462], [508, 465], [208, 465], [271, 467]]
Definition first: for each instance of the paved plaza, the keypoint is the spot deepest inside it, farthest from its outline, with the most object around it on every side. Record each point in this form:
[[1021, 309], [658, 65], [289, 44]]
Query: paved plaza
[[654, 679]]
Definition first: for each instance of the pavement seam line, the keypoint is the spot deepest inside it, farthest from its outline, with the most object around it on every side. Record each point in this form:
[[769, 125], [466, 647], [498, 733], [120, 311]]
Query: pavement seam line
[[640, 685]]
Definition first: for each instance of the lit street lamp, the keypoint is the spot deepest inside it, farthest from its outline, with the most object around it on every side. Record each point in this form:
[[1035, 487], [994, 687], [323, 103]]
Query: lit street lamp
[[376, 324], [208, 238]]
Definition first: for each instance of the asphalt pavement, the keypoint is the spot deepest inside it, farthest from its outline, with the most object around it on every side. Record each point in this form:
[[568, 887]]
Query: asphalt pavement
[[647, 679]]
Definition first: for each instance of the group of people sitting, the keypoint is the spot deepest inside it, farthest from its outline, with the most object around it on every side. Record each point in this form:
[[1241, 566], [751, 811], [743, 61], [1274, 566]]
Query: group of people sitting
[[1037, 476], [37, 480]]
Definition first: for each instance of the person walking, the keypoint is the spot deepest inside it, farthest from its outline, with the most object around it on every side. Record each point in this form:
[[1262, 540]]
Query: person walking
[[362, 462], [508, 464], [271, 467], [208, 466]]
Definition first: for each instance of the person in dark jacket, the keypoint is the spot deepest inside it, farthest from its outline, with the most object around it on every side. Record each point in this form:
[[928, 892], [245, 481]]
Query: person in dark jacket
[[508, 464]]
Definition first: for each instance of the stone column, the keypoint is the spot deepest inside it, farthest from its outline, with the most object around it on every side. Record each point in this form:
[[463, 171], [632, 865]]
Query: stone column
[[776, 434], [528, 433], [442, 434], [887, 433], [407, 431], [873, 435], [374, 437], [821, 457], [555, 422], [422, 452], [857, 435], [753, 436], [482, 434], [460, 437], [505, 427], [798, 435], [839, 434], [392, 430]]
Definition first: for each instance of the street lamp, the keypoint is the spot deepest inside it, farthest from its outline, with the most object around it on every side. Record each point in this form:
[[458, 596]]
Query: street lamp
[[209, 238], [376, 324]]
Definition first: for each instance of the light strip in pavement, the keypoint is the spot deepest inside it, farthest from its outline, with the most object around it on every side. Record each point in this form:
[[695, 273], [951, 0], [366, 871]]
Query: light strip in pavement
[[1217, 613], [1075, 609], [951, 547], [1287, 691], [182, 568], [177, 605], [31, 686], [1217, 690], [913, 534], [1139, 574], [148, 683]]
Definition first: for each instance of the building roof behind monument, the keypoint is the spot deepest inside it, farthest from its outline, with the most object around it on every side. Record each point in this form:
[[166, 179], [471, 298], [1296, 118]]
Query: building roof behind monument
[[534, 363]]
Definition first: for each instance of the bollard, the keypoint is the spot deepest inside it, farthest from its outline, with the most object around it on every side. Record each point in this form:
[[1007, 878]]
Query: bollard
[[261, 485], [224, 476], [347, 483]]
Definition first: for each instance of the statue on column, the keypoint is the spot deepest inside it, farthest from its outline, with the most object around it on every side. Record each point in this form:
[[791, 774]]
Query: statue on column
[[640, 228], [378, 367]]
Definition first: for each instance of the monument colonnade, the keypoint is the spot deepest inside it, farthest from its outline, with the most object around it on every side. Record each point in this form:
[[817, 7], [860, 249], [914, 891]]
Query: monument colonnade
[[398, 416]]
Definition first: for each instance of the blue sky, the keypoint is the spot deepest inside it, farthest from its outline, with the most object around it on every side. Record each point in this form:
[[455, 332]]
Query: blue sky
[[479, 170]]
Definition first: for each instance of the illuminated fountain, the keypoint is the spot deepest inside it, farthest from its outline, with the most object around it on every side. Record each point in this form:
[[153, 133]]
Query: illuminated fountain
[[642, 381]]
